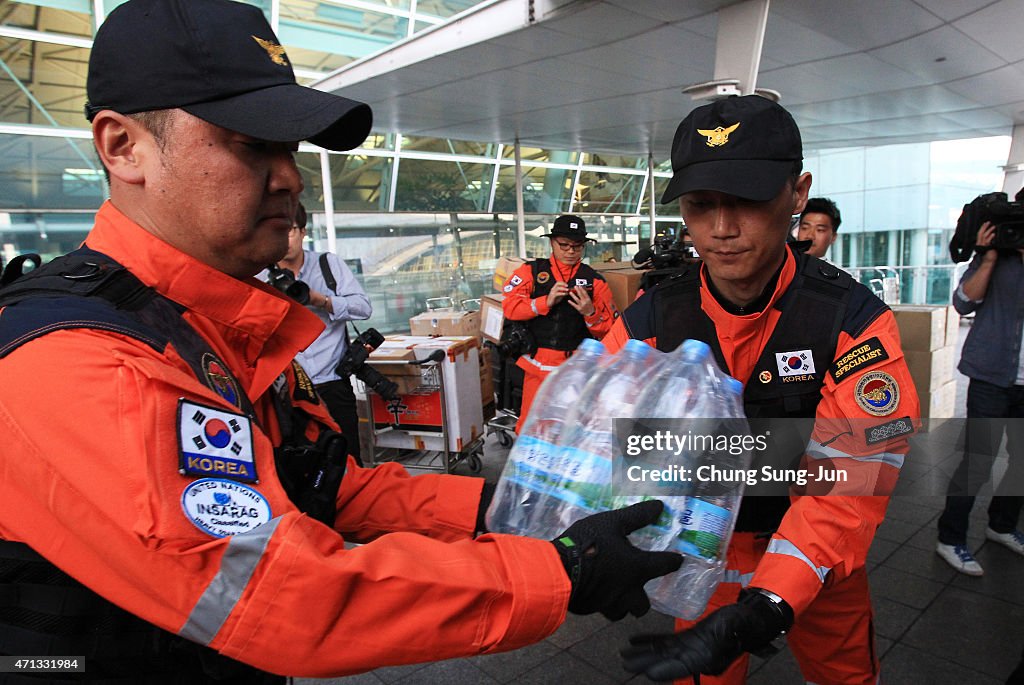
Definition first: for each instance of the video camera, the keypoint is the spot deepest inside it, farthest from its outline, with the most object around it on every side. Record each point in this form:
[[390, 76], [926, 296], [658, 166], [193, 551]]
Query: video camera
[[285, 281], [353, 363], [996, 208], [665, 252]]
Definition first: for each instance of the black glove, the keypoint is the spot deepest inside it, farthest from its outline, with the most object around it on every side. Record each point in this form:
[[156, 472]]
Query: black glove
[[607, 572], [709, 647]]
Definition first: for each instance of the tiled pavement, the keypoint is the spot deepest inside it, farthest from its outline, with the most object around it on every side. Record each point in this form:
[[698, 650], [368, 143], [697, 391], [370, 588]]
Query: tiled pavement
[[934, 625]]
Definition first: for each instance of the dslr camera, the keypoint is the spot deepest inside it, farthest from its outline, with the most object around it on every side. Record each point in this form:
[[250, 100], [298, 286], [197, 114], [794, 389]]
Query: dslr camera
[[353, 363], [1007, 217], [516, 340], [665, 252], [285, 281]]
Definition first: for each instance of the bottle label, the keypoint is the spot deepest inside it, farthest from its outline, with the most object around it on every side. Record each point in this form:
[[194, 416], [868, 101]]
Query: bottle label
[[704, 527], [568, 474]]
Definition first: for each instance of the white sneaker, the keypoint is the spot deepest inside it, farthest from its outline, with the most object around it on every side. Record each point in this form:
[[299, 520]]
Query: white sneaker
[[1014, 540], [960, 558]]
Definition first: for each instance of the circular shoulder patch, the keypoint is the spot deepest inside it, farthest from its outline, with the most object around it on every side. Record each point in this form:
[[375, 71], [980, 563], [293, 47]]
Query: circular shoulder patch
[[765, 377], [222, 507], [543, 277], [877, 393]]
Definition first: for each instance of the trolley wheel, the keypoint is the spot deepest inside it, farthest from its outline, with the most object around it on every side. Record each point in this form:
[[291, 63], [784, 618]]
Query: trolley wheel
[[504, 439], [475, 463]]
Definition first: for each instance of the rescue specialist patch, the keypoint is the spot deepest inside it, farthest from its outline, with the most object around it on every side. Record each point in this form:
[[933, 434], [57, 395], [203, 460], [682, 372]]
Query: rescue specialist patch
[[868, 353], [220, 380], [877, 393], [221, 507], [543, 277], [214, 442]]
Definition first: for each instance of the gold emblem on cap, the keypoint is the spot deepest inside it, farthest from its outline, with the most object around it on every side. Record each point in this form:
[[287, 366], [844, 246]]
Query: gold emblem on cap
[[275, 51], [718, 136]]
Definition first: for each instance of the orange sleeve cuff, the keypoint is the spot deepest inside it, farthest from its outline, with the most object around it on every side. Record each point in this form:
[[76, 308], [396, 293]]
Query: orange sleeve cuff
[[788, 577]]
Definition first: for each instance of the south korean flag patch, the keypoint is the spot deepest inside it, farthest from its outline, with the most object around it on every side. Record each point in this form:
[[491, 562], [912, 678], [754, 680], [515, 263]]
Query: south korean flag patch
[[796, 363], [214, 442]]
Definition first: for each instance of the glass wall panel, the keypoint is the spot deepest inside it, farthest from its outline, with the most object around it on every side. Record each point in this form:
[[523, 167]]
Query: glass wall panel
[[536, 154], [425, 185], [544, 190], [46, 234], [313, 186], [71, 17], [895, 165], [838, 170], [608, 192], [54, 74], [360, 183], [895, 209], [49, 173], [338, 29], [444, 8]]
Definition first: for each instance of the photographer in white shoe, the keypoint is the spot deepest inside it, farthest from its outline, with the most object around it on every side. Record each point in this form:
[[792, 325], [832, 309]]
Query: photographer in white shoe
[[992, 288]]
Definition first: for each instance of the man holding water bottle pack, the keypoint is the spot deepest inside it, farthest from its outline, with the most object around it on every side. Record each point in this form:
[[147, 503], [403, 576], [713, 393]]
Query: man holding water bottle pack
[[807, 343]]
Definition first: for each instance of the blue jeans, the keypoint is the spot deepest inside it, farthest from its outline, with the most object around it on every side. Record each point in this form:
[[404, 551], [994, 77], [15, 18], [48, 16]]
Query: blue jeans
[[986, 403]]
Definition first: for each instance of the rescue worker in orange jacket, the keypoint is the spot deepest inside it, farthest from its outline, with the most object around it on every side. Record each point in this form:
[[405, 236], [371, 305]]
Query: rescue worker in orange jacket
[[173, 492], [808, 343], [561, 300]]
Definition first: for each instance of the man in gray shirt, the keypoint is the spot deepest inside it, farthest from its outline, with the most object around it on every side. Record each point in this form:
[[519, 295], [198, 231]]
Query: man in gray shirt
[[992, 288], [335, 306]]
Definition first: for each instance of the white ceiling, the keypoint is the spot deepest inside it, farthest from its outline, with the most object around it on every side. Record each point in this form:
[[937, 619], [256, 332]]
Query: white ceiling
[[606, 75]]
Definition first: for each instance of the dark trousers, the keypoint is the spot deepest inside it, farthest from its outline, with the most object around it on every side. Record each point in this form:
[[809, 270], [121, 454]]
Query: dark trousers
[[991, 412], [341, 404]]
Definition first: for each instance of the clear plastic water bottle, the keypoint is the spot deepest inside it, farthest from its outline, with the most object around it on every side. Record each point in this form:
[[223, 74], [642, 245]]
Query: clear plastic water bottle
[[681, 390], [702, 523], [584, 487], [525, 482]]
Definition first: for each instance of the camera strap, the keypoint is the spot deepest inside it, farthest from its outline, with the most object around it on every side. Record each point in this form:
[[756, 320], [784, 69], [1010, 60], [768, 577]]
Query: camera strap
[[325, 268]]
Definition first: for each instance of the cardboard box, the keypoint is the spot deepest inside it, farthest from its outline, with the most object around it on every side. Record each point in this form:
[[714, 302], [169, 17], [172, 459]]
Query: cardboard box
[[930, 369], [417, 420], [393, 363], [624, 284], [503, 270], [940, 403], [442, 322], [492, 318], [952, 326], [610, 266], [922, 327]]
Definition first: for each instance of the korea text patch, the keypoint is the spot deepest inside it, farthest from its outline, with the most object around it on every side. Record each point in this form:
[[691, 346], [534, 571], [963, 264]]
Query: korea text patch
[[214, 442], [868, 353]]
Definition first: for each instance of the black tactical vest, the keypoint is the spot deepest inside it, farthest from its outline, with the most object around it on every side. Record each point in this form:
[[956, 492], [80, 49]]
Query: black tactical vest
[[813, 312], [44, 611], [563, 328]]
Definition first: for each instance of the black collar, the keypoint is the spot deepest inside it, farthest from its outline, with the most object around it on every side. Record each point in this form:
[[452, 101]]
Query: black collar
[[754, 307]]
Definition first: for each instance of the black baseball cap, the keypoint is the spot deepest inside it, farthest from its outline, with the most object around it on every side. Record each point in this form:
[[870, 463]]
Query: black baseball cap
[[569, 226], [744, 146], [218, 60]]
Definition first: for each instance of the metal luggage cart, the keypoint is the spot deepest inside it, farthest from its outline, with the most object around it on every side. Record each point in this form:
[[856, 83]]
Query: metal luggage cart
[[415, 458], [504, 426], [508, 406]]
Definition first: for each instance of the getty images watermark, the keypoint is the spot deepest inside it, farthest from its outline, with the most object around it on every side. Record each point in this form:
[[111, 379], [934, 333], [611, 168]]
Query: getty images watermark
[[781, 457]]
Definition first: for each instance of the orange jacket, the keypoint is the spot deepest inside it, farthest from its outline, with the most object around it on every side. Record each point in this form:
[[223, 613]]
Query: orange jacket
[[90, 479], [520, 305], [822, 539]]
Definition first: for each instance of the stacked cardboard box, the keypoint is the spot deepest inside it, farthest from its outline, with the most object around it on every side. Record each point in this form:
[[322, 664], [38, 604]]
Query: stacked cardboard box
[[492, 317], [445, 322], [929, 335], [623, 280]]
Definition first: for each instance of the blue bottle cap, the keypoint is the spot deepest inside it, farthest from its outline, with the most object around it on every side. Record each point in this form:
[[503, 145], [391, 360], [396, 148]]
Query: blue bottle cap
[[734, 386], [636, 349], [695, 350], [591, 346]]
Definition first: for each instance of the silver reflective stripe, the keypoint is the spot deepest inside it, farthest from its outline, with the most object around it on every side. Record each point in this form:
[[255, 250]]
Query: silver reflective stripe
[[734, 576], [236, 568], [816, 451], [778, 546], [542, 367], [533, 306]]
